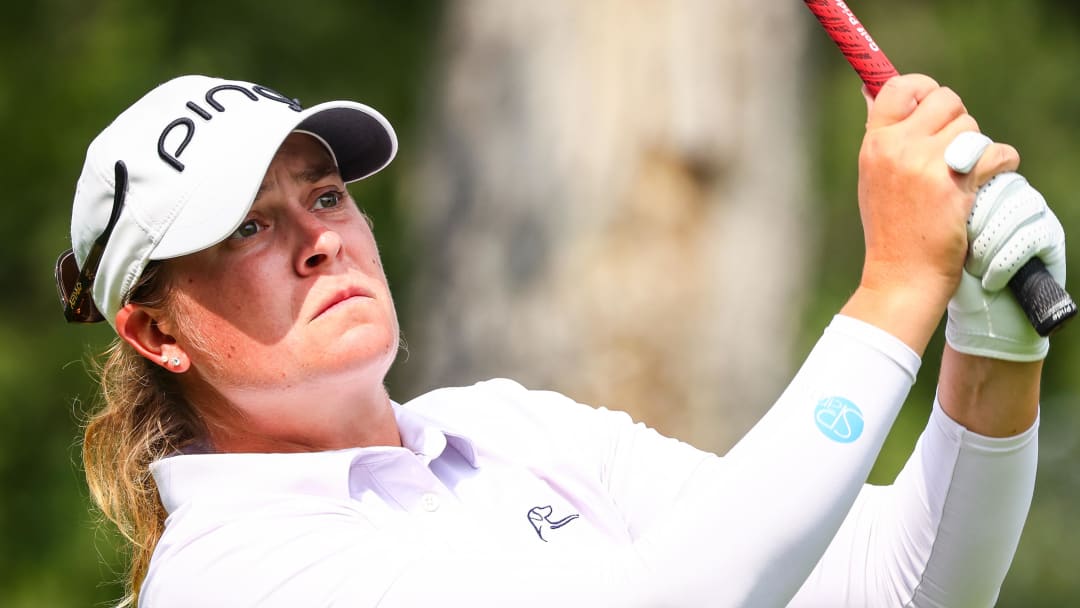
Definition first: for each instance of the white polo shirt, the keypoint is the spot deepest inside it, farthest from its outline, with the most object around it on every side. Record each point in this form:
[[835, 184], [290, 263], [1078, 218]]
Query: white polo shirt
[[503, 496]]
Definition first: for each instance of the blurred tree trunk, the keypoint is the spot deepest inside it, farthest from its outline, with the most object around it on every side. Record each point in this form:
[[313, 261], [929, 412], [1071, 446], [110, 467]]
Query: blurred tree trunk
[[611, 203]]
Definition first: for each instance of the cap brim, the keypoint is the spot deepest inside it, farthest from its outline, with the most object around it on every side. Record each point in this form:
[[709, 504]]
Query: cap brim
[[362, 143]]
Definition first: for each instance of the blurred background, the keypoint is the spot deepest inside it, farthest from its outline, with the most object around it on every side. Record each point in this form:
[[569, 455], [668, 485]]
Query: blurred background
[[646, 205]]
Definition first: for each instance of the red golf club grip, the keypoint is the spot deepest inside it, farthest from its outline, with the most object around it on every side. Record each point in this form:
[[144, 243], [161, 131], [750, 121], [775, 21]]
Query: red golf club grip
[[1047, 305], [854, 41]]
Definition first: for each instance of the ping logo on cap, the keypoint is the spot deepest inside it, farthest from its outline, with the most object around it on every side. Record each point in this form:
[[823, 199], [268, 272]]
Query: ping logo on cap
[[252, 94]]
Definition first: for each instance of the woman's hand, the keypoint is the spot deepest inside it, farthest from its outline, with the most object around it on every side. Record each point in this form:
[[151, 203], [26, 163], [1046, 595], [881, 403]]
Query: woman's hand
[[914, 208]]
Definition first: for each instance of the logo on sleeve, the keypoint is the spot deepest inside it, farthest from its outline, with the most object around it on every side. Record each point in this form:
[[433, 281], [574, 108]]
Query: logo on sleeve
[[839, 419], [540, 518]]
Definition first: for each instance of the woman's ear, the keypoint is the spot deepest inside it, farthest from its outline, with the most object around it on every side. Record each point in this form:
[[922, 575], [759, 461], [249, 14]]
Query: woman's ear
[[138, 326]]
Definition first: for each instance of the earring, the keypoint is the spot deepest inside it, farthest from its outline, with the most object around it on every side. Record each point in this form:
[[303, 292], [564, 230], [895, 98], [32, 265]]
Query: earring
[[175, 362], [164, 358]]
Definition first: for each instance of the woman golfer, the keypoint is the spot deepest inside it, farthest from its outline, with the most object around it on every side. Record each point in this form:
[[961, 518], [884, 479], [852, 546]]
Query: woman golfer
[[249, 452]]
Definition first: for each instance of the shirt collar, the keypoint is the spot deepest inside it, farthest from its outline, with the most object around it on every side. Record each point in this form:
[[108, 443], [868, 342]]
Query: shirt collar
[[182, 478], [428, 438]]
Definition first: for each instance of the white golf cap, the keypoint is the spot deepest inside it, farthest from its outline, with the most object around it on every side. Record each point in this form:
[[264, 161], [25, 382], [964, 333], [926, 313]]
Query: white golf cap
[[195, 150]]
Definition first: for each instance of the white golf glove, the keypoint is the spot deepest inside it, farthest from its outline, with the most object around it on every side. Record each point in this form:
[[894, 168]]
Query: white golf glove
[[1009, 224]]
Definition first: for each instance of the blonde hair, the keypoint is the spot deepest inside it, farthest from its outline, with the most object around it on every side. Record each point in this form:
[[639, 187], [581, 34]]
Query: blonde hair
[[142, 417]]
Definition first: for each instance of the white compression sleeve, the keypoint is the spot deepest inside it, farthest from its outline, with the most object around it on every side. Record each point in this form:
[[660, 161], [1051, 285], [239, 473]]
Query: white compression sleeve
[[749, 528], [943, 534]]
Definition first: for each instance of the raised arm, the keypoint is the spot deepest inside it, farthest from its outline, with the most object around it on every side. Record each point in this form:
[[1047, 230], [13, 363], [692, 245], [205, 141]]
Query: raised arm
[[944, 534], [776, 500]]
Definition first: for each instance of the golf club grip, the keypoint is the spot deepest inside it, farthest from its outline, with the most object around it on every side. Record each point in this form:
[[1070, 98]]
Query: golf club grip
[[1047, 305], [873, 67]]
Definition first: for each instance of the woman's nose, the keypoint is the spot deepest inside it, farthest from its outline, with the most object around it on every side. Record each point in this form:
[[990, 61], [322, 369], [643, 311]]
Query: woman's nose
[[322, 246]]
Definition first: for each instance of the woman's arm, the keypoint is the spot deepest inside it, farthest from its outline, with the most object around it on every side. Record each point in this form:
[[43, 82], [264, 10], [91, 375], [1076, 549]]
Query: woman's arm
[[991, 397], [748, 529], [944, 534]]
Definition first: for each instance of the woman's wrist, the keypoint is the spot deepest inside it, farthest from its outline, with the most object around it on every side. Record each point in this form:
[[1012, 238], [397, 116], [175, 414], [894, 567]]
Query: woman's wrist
[[991, 397], [911, 314]]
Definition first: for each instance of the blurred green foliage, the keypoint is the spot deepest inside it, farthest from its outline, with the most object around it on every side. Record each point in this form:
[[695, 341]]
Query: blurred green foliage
[[67, 67]]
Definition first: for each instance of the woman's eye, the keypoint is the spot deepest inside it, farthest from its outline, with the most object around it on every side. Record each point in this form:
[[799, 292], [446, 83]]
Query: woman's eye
[[247, 229], [327, 200]]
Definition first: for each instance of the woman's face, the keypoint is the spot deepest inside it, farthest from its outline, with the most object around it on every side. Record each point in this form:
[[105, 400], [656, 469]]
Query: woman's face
[[290, 310]]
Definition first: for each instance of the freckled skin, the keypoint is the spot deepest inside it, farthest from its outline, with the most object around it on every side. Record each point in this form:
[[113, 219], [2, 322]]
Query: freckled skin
[[278, 375]]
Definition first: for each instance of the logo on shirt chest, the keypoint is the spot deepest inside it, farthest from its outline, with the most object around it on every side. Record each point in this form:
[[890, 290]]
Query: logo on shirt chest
[[541, 520]]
